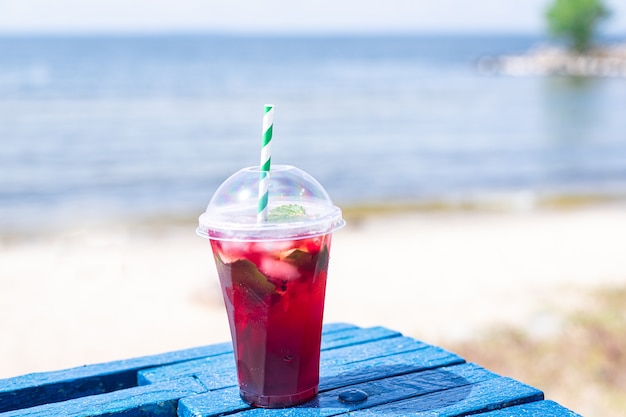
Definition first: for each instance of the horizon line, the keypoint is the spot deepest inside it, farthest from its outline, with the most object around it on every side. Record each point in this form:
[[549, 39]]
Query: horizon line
[[252, 33]]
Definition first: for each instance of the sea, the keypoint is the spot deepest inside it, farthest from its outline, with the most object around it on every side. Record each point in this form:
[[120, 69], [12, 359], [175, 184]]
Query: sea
[[146, 126]]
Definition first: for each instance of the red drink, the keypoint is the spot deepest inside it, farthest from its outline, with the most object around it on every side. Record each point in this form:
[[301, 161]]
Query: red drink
[[274, 296], [273, 275]]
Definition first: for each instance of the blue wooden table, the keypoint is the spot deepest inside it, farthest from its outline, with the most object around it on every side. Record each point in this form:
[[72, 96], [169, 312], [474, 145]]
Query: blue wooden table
[[373, 371]]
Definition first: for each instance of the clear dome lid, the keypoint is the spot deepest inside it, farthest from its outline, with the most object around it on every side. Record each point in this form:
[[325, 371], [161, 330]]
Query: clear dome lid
[[298, 207]]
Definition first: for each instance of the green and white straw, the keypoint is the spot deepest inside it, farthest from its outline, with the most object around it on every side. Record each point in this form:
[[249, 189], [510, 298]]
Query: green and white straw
[[266, 158]]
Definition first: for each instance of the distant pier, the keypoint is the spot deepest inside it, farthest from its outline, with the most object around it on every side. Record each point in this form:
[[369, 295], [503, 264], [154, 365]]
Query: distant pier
[[609, 61]]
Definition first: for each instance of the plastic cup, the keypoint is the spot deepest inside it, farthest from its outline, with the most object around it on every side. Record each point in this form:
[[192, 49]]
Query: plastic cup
[[273, 279]]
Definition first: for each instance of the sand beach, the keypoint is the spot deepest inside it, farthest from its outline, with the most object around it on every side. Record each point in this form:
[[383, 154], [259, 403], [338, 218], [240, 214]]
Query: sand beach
[[102, 292]]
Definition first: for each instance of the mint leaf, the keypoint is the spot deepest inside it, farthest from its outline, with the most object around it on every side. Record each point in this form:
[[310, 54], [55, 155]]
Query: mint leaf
[[246, 275], [286, 212], [301, 259], [322, 260]]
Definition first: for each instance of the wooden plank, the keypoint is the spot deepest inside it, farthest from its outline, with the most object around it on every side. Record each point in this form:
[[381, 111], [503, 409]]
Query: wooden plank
[[483, 396], [343, 374], [154, 400], [212, 403], [356, 336], [43, 388], [48, 387], [334, 373], [383, 391], [220, 370], [368, 351], [328, 328], [492, 392], [537, 409]]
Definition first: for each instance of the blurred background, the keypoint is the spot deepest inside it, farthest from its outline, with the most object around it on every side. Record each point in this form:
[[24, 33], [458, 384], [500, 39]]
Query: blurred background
[[120, 119], [124, 109]]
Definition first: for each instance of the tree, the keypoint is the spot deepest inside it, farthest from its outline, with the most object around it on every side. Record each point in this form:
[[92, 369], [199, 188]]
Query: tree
[[576, 21]]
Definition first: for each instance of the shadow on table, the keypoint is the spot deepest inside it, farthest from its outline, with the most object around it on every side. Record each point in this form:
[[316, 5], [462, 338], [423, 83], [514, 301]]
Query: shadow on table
[[448, 383]]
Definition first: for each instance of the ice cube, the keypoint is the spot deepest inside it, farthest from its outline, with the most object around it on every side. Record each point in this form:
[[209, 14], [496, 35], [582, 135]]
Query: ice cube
[[275, 247], [276, 269], [231, 251]]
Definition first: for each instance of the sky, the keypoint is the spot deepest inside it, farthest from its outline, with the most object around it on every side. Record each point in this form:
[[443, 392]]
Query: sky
[[283, 16]]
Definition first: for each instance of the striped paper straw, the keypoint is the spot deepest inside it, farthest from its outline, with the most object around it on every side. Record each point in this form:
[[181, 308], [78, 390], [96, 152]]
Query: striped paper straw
[[266, 157]]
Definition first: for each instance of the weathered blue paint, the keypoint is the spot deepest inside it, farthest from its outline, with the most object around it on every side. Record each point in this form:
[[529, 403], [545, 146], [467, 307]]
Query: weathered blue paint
[[334, 374], [220, 369], [379, 389], [153, 400], [393, 375], [356, 336], [534, 409], [491, 394], [42, 388]]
